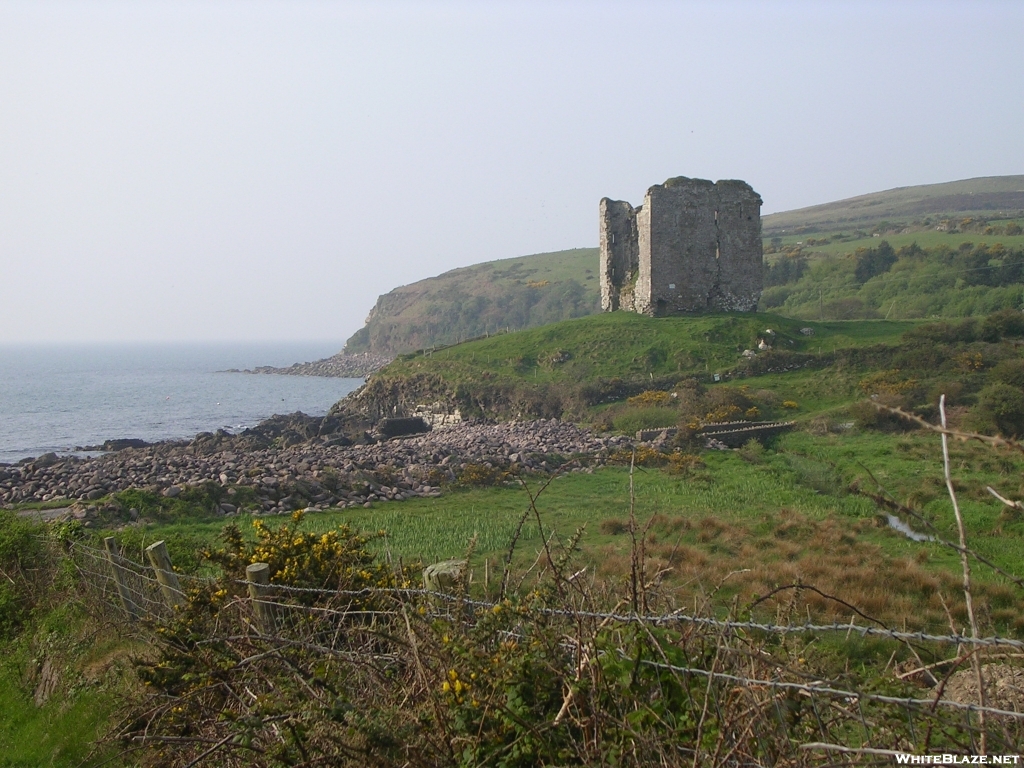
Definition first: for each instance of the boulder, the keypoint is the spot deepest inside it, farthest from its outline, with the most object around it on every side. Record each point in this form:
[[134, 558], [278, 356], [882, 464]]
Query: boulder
[[46, 460], [120, 445], [396, 427]]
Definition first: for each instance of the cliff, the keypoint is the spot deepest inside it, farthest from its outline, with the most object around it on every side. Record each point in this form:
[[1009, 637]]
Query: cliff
[[510, 294]]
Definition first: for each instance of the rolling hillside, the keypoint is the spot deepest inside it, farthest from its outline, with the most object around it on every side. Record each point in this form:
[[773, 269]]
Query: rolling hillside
[[987, 197]]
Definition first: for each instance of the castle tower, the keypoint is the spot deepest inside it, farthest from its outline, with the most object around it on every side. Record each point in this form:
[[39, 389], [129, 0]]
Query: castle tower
[[693, 246]]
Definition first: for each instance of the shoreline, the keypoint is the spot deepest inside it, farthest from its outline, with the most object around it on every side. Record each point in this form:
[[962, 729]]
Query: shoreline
[[313, 475]]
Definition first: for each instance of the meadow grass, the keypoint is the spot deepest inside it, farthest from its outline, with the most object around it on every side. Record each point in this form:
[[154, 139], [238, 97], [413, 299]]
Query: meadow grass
[[728, 531]]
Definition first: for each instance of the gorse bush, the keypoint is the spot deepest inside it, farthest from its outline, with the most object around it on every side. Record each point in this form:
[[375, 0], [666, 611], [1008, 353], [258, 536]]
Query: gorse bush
[[651, 397], [336, 559], [483, 475]]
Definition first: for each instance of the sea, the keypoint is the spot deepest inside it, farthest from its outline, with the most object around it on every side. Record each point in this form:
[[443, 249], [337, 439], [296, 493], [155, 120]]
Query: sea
[[63, 397]]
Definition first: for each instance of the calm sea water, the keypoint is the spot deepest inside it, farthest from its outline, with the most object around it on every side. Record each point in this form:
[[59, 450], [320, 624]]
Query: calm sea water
[[54, 398]]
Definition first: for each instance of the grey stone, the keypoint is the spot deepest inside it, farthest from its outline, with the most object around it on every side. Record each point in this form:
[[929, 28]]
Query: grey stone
[[172, 492], [46, 460]]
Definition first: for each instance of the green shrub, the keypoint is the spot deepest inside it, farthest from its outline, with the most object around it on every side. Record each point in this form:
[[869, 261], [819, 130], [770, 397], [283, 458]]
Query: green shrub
[[949, 333], [1007, 323], [1010, 372], [1001, 406], [867, 416], [752, 451]]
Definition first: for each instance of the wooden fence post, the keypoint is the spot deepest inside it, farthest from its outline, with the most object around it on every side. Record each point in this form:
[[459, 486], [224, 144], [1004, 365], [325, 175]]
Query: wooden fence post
[[258, 576], [121, 577], [170, 587]]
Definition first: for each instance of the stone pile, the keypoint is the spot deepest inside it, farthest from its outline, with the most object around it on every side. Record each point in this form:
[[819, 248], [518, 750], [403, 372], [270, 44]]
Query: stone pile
[[311, 474]]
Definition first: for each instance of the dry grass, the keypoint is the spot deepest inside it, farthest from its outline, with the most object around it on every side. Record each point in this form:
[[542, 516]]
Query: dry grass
[[701, 556]]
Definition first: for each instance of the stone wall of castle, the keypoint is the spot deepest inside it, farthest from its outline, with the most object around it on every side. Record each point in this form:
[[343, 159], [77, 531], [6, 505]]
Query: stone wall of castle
[[693, 246], [619, 254]]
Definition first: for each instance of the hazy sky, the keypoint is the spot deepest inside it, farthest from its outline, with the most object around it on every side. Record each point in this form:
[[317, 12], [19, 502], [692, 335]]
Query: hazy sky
[[262, 171]]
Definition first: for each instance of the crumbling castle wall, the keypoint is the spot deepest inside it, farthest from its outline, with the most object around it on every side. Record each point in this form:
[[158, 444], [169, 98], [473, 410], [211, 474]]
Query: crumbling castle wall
[[693, 246], [619, 254]]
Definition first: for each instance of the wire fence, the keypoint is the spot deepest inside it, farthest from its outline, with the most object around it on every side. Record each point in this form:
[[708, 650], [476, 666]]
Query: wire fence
[[738, 668], [115, 579]]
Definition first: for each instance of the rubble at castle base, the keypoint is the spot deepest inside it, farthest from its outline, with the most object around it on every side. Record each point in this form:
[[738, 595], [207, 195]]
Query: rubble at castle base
[[692, 246]]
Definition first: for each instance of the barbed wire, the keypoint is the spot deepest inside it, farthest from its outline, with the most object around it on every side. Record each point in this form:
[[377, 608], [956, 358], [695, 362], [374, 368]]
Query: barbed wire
[[835, 692], [141, 572]]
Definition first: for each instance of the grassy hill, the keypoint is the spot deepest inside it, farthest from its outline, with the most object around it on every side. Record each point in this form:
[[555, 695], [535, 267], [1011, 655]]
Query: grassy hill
[[523, 292], [625, 345], [572, 369], [627, 372], [987, 197]]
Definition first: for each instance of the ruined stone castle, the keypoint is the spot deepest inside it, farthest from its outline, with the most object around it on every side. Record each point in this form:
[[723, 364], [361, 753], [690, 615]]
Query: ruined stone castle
[[693, 246]]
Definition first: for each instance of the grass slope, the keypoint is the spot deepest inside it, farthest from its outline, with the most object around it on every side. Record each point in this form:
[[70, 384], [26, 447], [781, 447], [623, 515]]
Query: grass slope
[[626, 345], [987, 196], [514, 293]]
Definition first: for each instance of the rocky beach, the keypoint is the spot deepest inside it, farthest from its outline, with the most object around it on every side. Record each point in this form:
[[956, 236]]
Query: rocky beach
[[312, 474]]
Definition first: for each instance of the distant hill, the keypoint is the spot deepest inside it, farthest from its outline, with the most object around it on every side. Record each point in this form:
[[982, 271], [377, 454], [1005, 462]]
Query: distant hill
[[523, 292], [988, 197]]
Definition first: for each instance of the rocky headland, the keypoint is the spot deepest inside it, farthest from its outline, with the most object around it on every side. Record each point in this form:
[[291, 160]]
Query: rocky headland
[[340, 366], [315, 473]]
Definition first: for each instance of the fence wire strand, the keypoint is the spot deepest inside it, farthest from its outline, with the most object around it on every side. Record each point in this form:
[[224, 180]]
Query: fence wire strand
[[358, 627]]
